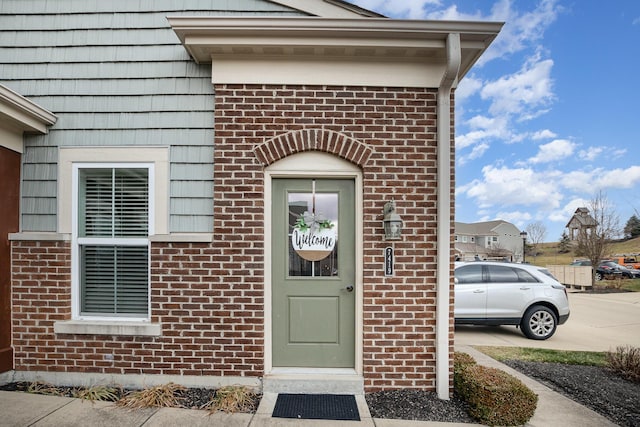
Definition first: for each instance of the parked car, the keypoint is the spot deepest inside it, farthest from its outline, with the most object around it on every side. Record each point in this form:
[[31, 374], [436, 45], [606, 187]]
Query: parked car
[[629, 273], [491, 293], [606, 269], [628, 261]]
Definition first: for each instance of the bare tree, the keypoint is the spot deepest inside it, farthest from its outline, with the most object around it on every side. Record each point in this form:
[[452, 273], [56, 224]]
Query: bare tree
[[496, 250], [536, 233], [594, 242]]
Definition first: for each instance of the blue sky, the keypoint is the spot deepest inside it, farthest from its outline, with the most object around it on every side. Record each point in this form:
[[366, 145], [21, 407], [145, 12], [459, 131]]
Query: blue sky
[[549, 116]]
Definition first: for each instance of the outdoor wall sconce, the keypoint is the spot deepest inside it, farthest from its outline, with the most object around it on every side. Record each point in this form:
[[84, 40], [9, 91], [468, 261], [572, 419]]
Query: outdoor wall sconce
[[392, 222]]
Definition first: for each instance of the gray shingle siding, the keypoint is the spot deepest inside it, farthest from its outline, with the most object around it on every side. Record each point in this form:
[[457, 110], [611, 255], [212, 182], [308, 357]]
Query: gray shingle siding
[[115, 74]]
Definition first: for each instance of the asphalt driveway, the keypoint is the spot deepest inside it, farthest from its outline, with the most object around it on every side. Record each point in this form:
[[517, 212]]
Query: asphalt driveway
[[598, 322]]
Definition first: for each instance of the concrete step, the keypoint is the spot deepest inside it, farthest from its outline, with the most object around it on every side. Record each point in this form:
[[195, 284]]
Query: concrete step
[[329, 382]]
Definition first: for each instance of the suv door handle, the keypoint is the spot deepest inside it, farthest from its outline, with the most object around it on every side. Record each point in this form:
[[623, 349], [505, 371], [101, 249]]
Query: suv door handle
[[525, 288], [479, 291]]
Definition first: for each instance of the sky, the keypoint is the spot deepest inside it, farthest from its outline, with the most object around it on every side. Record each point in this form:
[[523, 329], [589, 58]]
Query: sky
[[549, 116]]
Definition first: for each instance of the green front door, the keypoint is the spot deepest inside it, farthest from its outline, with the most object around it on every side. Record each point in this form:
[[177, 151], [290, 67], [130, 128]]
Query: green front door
[[313, 273]]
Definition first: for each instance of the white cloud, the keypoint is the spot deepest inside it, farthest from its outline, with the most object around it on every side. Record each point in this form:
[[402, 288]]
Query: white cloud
[[566, 212], [618, 178], [543, 134], [503, 186], [452, 14], [590, 154], [483, 128], [619, 153], [521, 30], [524, 92], [406, 9], [468, 86], [578, 181], [477, 152], [553, 151], [515, 217], [601, 179]]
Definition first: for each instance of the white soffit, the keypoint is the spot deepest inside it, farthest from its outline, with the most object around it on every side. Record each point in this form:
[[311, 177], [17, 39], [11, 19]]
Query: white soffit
[[371, 51]]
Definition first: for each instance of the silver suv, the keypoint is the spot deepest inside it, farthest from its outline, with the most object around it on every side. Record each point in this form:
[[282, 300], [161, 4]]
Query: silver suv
[[493, 293]]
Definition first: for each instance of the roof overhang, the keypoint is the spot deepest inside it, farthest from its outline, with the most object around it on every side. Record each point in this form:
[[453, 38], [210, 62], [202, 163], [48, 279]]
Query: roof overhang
[[362, 51], [19, 113]]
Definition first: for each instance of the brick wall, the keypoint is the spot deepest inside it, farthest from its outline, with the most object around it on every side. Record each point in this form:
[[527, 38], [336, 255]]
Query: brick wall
[[209, 298], [210, 326], [391, 134]]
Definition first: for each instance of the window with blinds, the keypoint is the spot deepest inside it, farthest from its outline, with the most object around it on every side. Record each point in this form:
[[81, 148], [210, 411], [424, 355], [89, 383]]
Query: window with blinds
[[113, 245]]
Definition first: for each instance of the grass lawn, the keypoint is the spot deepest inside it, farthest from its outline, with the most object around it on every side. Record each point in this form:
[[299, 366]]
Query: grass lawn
[[501, 354], [631, 285]]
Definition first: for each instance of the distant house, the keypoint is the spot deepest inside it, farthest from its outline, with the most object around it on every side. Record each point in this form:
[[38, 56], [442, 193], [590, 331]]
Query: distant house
[[161, 162], [580, 222], [496, 240]]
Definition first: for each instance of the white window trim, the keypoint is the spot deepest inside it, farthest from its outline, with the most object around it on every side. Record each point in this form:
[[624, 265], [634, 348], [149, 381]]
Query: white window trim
[[159, 156], [76, 241]]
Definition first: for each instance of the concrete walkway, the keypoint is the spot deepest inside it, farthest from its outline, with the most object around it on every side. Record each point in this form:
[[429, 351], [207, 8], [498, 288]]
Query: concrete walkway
[[22, 409]]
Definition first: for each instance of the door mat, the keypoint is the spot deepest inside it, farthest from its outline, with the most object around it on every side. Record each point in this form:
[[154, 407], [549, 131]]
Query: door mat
[[317, 407]]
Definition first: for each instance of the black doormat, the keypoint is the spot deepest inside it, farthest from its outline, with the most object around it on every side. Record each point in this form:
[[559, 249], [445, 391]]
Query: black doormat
[[317, 407]]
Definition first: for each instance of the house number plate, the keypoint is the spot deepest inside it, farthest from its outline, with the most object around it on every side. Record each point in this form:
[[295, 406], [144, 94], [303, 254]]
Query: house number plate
[[388, 261]]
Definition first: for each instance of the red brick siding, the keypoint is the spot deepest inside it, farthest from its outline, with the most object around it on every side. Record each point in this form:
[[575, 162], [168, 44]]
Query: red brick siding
[[41, 295], [209, 326], [391, 134], [209, 298]]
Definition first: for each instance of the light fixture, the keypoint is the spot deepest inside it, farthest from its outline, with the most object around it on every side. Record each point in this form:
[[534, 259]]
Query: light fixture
[[524, 246], [392, 222]]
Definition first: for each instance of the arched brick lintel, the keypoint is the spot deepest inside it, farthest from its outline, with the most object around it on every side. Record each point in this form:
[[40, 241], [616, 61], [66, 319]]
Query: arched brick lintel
[[323, 140]]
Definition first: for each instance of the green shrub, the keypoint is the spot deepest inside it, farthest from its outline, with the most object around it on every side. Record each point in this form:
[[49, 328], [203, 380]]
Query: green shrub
[[625, 361], [462, 360], [495, 397]]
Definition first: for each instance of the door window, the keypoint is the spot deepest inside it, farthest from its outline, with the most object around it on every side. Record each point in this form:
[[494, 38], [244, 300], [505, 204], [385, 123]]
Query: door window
[[313, 234]]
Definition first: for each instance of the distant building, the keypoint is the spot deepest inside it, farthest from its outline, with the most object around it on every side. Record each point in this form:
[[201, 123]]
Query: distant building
[[495, 240], [580, 222]]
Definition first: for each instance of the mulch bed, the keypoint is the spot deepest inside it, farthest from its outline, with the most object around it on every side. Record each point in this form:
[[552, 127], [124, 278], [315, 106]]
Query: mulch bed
[[190, 398]]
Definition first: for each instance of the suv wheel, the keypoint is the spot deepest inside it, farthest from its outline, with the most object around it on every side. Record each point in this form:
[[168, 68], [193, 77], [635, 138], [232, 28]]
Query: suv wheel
[[539, 323], [598, 276]]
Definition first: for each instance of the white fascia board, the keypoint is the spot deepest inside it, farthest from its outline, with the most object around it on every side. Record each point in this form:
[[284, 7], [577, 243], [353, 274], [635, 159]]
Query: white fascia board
[[18, 111]]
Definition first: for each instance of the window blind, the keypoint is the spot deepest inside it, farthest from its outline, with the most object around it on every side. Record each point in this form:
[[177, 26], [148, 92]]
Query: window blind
[[114, 203], [113, 217]]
